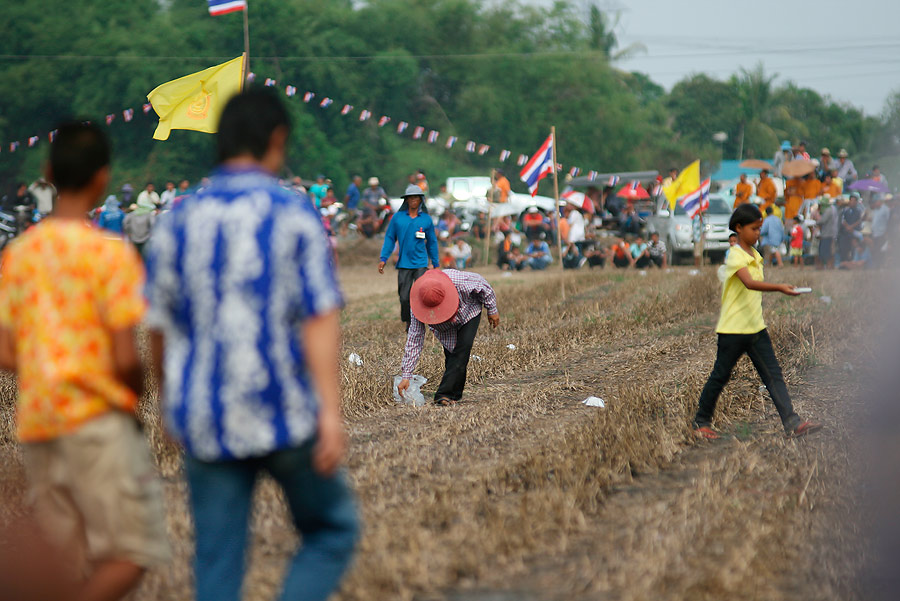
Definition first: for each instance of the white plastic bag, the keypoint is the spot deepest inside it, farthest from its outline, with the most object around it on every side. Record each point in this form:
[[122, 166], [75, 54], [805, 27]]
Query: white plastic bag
[[413, 395]]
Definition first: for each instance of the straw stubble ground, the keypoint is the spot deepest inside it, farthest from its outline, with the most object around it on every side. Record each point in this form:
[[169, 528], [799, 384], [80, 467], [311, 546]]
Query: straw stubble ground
[[521, 490]]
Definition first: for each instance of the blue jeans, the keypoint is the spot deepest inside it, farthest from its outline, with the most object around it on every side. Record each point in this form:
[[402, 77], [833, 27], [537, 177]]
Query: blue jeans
[[323, 511], [539, 263]]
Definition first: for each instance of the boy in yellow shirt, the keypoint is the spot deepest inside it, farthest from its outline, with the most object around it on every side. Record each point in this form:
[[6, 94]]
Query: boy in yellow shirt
[[741, 329], [70, 299]]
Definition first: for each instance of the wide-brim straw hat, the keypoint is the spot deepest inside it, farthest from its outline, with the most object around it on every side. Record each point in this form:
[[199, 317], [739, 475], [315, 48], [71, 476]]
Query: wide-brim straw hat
[[413, 190]]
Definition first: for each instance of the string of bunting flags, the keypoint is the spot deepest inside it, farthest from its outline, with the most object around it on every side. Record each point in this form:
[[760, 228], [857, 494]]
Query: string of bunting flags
[[324, 102]]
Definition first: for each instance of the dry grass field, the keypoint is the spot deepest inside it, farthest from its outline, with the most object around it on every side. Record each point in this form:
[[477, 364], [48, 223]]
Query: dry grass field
[[522, 492]]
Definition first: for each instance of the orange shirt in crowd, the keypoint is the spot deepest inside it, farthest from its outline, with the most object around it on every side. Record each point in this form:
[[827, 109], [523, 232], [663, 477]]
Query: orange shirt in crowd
[[564, 229], [812, 188], [765, 189], [742, 193], [793, 197], [65, 288], [503, 186], [833, 190]]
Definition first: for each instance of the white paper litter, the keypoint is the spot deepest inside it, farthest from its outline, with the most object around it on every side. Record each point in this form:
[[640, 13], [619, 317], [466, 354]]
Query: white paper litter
[[694, 272], [511, 347], [642, 272], [355, 359], [594, 401], [477, 357], [825, 299]]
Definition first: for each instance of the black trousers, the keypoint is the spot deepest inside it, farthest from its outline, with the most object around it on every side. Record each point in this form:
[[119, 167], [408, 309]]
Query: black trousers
[[457, 360], [405, 279], [759, 348]]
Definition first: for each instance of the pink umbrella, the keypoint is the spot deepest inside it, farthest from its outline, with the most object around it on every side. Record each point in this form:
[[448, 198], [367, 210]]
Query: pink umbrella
[[633, 191], [579, 200]]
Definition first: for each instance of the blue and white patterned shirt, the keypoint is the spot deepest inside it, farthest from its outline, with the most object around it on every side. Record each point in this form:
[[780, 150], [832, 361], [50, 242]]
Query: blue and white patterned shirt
[[232, 273]]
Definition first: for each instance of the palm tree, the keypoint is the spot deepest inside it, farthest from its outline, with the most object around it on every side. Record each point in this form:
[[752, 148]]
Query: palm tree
[[602, 35]]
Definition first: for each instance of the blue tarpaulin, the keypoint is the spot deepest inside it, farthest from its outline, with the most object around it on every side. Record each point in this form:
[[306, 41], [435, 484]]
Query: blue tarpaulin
[[729, 170]]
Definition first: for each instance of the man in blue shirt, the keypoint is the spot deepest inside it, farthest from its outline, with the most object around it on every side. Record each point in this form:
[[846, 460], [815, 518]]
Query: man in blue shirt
[[538, 253], [771, 235], [351, 198], [413, 232], [244, 310]]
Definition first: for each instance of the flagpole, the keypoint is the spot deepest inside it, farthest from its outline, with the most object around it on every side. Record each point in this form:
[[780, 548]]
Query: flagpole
[[487, 235], [556, 207], [246, 45]]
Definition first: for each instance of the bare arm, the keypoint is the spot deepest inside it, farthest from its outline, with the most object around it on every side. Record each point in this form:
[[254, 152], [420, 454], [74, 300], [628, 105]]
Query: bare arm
[[126, 360], [157, 352], [743, 274], [7, 350], [321, 335]]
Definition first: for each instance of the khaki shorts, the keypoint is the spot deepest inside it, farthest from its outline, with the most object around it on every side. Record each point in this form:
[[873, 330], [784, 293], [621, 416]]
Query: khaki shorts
[[96, 494]]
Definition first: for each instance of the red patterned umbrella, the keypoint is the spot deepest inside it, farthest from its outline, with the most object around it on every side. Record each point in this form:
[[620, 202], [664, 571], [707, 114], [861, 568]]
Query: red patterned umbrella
[[633, 191]]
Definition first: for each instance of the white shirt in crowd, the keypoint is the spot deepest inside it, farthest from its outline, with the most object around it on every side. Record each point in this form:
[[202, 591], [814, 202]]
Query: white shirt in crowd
[[576, 226]]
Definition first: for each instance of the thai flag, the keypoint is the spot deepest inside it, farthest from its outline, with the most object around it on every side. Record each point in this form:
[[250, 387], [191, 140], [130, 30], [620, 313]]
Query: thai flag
[[13, 146], [383, 121], [470, 146], [633, 185], [696, 201], [451, 141], [326, 102], [128, 115], [482, 150], [251, 77], [269, 82], [308, 96], [401, 127], [574, 171], [504, 154], [33, 140], [418, 131], [290, 90], [364, 116], [346, 109], [592, 175], [657, 190], [433, 136], [539, 167], [223, 7], [613, 181], [52, 135], [110, 118], [523, 158]]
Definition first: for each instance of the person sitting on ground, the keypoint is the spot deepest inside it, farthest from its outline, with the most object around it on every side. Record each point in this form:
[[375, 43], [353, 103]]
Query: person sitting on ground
[[447, 261], [450, 303], [640, 253], [593, 251], [862, 252], [621, 253], [68, 326], [503, 250], [111, 215], [657, 251], [538, 253], [572, 258], [629, 221], [741, 329], [461, 253], [533, 223], [516, 259]]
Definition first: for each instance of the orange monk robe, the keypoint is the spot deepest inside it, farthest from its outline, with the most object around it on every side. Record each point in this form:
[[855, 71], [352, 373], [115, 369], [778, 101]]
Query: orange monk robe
[[812, 188], [793, 197], [503, 185], [742, 192], [765, 189]]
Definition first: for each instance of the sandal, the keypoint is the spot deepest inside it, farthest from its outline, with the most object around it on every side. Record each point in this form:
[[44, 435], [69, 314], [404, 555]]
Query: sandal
[[805, 428], [444, 401], [706, 432]]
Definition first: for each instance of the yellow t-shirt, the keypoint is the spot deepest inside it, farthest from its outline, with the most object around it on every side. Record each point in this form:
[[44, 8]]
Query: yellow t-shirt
[[64, 288], [741, 307]]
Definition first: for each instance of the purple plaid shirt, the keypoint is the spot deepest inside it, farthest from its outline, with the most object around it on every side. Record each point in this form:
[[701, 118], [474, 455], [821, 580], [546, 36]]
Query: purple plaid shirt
[[474, 292]]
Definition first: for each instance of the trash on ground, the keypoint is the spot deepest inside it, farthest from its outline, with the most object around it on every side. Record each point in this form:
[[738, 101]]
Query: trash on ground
[[355, 359], [478, 357], [507, 274], [642, 272], [413, 395], [594, 401], [825, 299], [694, 272], [848, 366], [511, 347]]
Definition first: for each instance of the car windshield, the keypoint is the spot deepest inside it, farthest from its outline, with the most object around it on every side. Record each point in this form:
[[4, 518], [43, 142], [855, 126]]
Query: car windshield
[[717, 206], [470, 187]]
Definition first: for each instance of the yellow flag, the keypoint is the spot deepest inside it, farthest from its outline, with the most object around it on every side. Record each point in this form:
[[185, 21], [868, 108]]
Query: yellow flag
[[686, 182], [196, 101]]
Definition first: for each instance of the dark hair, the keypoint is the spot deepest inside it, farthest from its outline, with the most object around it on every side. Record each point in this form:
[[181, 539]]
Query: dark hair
[[745, 214], [77, 153], [248, 121], [732, 235], [769, 211]]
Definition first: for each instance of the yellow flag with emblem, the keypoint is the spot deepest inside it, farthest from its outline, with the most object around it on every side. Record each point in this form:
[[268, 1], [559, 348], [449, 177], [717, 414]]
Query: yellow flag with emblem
[[686, 182], [196, 101]]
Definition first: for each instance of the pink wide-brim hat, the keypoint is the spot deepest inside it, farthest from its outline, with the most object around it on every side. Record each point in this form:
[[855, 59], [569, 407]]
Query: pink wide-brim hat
[[433, 298]]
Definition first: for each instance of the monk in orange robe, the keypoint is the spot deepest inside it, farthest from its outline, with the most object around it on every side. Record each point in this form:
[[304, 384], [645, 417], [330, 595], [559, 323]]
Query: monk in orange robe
[[742, 191], [793, 197], [765, 189]]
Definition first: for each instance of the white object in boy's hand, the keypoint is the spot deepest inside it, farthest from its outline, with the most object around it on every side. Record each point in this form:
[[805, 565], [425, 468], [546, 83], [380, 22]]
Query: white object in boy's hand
[[802, 290]]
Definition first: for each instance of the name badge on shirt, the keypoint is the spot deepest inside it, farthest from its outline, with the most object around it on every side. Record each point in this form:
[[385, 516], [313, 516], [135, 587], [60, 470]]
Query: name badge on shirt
[[420, 235]]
